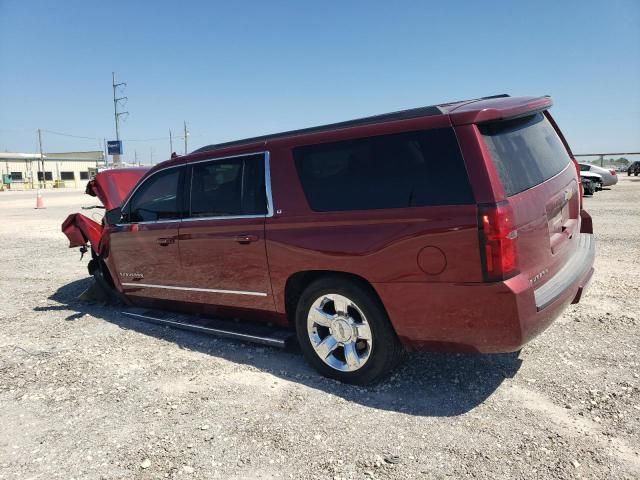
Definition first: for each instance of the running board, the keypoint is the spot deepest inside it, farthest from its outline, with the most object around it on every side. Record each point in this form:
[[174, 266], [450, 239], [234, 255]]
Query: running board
[[247, 331]]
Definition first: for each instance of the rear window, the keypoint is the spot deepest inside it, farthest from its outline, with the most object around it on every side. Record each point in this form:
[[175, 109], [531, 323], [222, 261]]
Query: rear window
[[526, 151], [388, 171]]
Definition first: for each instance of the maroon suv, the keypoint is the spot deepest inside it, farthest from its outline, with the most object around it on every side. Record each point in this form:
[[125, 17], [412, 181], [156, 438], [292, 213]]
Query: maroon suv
[[454, 227]]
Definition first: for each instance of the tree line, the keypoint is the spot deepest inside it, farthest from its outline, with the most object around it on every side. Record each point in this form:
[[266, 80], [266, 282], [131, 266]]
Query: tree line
[[618, 162]]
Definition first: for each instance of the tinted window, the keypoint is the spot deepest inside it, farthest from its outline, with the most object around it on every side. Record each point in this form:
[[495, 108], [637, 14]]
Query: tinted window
[[234, 186], [526, 151], [584, 168], [157, 198], [67, 176], [388, 171]]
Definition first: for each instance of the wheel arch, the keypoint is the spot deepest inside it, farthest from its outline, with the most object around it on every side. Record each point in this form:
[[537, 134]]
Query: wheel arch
[[299, 281]]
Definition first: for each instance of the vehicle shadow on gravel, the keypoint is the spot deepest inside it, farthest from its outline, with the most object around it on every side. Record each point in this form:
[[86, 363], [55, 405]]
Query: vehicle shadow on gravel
[[427, 384]]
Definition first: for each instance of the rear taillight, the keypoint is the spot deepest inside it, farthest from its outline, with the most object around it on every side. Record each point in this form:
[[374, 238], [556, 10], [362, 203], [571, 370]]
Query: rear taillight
[[612, 172], [498, 241]]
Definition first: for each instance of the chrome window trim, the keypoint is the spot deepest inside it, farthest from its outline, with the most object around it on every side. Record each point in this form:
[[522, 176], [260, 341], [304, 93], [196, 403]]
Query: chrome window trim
[[221, 217], [194, 289], [148, 222], [267, 183]]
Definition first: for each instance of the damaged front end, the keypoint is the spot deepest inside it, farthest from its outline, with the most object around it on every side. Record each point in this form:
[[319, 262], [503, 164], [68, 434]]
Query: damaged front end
[[111, 187]]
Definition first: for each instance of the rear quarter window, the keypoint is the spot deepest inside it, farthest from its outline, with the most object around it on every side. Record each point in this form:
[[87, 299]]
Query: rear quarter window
[[526, 151], [409, 169]]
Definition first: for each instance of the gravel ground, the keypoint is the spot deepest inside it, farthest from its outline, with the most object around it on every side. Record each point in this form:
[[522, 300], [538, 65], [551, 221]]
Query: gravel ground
[[86, 393]]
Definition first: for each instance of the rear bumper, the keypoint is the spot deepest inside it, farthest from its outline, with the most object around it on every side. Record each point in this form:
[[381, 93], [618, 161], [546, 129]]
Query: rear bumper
[[484, 317], [577, 271]]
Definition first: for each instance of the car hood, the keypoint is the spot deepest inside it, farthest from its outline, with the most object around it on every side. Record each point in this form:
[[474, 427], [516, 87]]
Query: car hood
[[113, 186]]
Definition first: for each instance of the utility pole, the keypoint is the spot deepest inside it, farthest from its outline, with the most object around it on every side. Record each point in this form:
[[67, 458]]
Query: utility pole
[[44, 177], [106, 152], [170, 144], [135, 157], [151, 154], [186, 134], [116, 113]]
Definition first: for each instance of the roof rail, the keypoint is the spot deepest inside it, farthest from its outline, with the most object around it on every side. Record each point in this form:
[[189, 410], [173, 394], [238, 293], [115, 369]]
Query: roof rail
[[385, 117]]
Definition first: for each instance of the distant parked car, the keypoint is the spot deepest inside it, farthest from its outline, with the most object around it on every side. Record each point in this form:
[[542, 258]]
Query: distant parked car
[[634, 168], [609, 177], [595, 178]]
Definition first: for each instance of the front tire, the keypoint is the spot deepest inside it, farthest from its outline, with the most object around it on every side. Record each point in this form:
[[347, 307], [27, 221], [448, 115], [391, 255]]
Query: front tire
[[98, 268], [344, 331]]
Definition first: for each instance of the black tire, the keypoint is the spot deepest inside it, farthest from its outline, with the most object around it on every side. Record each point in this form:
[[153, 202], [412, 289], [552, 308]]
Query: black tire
[[386, 351], [103, 279]]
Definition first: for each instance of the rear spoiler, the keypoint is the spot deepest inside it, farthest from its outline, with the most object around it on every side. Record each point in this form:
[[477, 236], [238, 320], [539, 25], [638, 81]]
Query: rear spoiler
[[496, 109]]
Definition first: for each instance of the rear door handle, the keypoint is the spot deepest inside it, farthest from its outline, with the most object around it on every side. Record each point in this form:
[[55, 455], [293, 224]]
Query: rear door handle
[[163, 242], [246, 238]]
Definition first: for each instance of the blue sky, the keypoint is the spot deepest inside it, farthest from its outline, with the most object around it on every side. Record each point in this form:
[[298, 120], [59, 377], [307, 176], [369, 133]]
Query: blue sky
[[237, 69]]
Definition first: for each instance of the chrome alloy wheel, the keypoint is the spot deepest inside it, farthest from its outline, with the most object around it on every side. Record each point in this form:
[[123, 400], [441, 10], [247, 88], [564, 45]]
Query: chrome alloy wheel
[[339, 332]]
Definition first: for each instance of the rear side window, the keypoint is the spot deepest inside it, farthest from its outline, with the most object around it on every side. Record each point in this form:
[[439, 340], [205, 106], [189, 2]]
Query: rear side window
[[229, 187], [526, 151], [389, 171]]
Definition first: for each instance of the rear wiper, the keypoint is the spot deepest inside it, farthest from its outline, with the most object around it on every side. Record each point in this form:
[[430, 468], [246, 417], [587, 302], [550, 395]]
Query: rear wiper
[[91, 207]]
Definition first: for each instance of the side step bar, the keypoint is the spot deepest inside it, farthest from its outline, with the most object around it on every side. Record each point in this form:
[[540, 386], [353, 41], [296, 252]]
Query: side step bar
[[246, 331]]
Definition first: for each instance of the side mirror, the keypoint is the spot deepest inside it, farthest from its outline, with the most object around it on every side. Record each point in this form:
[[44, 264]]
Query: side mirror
[[113, 216]]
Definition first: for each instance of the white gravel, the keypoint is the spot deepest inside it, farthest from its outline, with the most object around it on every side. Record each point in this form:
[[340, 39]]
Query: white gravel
[[86, 393]]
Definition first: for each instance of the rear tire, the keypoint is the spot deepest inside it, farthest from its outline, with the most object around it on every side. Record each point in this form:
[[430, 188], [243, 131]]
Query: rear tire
[[345, 333]]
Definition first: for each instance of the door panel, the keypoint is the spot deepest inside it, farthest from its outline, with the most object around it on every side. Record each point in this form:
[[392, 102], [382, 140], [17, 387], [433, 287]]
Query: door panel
[[222, 246], [226, 261], [147, 254], [144, 248]]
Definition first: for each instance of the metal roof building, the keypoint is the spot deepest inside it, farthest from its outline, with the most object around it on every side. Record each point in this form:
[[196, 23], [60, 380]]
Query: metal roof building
[[64, 169]]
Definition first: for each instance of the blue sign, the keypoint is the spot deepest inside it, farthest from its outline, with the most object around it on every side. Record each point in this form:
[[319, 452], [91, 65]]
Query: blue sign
[[114, 147]]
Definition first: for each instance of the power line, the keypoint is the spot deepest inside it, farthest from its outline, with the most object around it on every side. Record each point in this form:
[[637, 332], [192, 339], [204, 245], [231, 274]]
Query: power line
[[147, 139], [85, 137], [70, 135]]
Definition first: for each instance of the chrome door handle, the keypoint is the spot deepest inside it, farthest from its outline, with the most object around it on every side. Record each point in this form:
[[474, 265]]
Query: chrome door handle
[[246, 238], [163, 242]]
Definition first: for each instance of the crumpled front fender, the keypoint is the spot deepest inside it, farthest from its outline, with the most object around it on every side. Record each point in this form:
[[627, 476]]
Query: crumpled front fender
[[81, 230]]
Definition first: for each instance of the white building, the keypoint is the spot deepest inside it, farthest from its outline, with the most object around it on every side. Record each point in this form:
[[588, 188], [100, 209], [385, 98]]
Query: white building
[[69, 169]]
